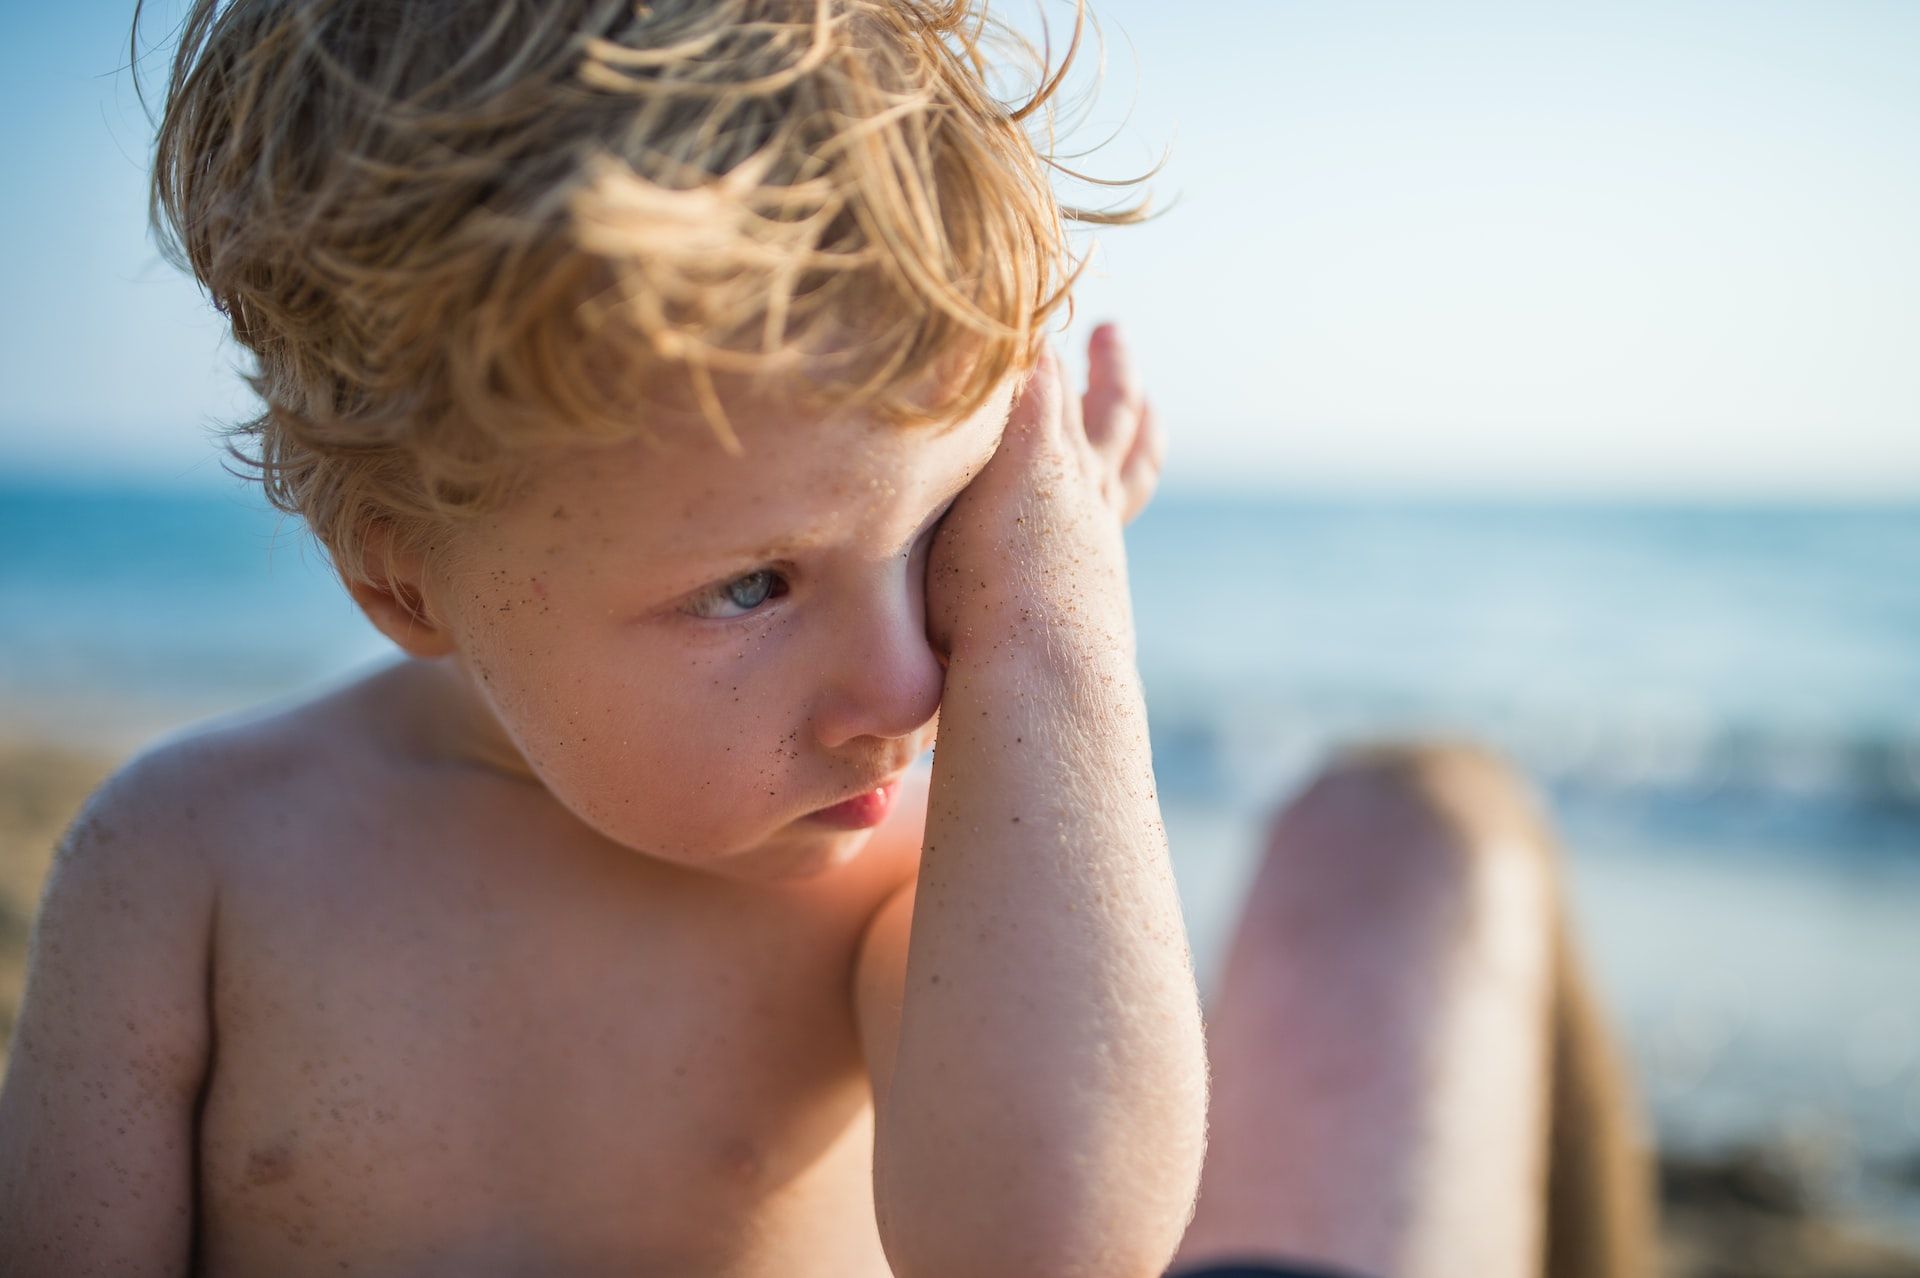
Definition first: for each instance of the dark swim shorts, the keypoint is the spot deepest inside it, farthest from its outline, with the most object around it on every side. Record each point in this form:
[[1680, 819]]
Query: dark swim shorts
[[1258, 1269]]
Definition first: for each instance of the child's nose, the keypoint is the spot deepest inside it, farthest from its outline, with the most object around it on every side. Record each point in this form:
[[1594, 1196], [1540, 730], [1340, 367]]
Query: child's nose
[[884, 678]]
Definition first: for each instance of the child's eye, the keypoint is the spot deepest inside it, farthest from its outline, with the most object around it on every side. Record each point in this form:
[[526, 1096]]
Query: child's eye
[[738, 597]]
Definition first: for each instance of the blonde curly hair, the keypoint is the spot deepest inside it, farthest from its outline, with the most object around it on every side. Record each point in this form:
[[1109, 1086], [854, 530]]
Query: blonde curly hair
[[453, 230]]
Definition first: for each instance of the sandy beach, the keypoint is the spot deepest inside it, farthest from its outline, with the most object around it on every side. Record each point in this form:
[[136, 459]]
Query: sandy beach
[[41, 788], [1752, 1212]]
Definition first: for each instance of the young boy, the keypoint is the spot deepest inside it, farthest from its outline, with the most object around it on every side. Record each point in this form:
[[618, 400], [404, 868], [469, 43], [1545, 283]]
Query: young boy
[[666, 381]]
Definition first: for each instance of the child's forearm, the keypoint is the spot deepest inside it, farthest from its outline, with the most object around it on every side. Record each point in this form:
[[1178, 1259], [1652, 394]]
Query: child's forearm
[[1047, 1107]]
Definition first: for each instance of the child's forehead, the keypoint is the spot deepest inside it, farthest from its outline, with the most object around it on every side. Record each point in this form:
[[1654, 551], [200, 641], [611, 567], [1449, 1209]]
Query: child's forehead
[[793, 484]]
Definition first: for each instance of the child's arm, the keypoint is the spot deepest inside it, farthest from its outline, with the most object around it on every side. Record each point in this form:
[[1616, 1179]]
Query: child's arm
[[97, 1114], [1043, 1109]]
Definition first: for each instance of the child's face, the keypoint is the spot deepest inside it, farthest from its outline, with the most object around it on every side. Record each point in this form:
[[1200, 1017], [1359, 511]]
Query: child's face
[[698, 653]]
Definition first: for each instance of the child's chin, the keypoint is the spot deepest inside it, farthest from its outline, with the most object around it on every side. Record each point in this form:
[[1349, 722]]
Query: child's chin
[[794, 860]]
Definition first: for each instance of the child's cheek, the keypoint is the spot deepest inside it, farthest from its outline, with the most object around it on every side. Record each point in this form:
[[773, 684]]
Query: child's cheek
[[685, 745], [651, 756]]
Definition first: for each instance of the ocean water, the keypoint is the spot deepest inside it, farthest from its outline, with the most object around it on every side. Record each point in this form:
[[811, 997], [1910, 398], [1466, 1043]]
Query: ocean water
[[125, 609], [1770, 656], [1723, 705]]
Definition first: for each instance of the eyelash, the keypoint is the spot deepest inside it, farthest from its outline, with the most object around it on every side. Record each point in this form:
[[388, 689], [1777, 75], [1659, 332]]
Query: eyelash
[[707, 603], [710, 604]]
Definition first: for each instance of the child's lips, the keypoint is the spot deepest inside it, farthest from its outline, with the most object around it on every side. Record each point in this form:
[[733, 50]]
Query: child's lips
[[863, 811]]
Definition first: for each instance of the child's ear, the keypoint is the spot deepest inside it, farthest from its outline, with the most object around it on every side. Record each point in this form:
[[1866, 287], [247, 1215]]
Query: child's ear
[[391, 590]]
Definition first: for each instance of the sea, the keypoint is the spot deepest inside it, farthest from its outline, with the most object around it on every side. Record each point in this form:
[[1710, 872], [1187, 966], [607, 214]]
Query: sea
[[1721, 704]]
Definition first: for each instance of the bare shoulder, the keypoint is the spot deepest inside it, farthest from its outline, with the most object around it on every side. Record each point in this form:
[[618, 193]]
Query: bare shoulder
[[210, 792], [158, 817], [114, 1042], [148, 851], [170, 800]]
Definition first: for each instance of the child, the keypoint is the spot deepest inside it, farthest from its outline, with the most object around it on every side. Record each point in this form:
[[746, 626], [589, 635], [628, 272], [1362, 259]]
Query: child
[[666, 381]]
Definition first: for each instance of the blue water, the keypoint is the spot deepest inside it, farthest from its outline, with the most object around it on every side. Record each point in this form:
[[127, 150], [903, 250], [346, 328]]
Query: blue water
[[1740, 678], [1723, 703], [162, 603], [1766, 655]]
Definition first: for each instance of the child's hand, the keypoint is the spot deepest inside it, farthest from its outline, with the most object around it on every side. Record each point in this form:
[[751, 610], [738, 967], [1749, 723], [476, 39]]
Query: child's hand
[[1045, 921], [1120, 424], [1034, 541]]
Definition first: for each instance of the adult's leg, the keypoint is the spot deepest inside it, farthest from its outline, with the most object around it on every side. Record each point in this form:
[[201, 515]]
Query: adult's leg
[[1600, 1195], [1401, 1044]]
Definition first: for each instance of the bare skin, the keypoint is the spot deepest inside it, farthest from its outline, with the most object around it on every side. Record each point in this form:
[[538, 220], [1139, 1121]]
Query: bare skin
[[1411, 1075], [393, 983], [454, 1032], [531, 955]]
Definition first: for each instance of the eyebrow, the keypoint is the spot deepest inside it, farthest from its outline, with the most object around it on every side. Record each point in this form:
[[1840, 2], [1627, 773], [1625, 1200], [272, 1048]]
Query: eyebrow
[[934, 516], [941, 507], [790, 547]]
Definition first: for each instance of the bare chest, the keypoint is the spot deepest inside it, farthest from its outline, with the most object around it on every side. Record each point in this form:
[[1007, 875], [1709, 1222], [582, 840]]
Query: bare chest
[[484, 1062]]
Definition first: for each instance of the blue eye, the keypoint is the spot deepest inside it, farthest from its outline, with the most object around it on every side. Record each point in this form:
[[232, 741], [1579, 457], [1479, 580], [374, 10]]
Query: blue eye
[[738, 597]]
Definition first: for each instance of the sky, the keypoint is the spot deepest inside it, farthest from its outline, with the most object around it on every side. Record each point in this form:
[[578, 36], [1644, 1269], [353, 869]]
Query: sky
[[1652, 248]]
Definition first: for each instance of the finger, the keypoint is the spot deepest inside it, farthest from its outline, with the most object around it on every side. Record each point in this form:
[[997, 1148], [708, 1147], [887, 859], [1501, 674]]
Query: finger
[[1112, 403], [1149, 446], [1140, 473], [1071, 420], [1037, 404], [1137, 490], [1154, 439]]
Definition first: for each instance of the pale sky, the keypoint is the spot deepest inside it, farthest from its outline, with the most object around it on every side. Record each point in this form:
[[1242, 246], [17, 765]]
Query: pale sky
[[1664, 247]]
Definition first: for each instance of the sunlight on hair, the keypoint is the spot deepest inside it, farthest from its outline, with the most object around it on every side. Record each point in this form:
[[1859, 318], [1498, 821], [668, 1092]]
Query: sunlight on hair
[[450, 234]]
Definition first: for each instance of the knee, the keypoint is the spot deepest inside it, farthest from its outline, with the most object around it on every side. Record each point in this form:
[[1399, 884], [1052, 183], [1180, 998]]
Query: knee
[[1443, 826], [1469, 796]]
